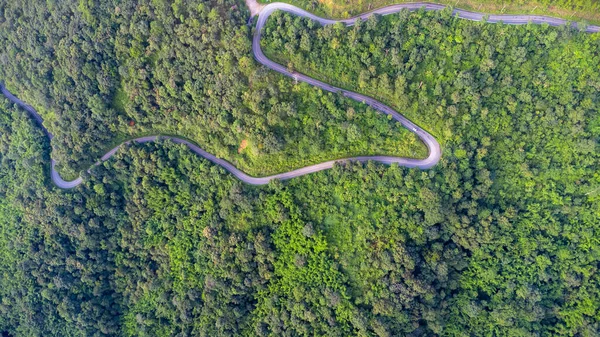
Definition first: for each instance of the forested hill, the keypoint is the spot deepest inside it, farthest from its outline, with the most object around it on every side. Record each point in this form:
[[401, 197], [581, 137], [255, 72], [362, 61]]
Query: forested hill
[[501, 238], [457, 78], [159, 242], [100, 72]]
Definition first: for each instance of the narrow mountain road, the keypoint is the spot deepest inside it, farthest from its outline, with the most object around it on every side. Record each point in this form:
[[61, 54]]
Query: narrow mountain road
[[264, 12], [510, 19]]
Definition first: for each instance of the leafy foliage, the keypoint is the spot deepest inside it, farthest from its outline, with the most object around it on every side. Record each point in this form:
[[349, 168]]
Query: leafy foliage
[[500, 239]]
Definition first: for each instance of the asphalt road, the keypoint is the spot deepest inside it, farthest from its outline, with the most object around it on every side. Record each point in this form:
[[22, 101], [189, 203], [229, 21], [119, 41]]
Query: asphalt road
[[510, 19], [264, 12]]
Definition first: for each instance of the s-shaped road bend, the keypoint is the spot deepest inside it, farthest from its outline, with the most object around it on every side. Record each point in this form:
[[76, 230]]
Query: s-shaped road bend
[[265, 11]]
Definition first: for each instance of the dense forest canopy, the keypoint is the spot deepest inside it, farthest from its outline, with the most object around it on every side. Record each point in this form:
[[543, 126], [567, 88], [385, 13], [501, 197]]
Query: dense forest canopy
[[452, 76], [102, 72], [501, 238]]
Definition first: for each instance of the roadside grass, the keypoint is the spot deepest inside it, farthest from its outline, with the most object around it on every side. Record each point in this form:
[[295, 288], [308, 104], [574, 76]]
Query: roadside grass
[[349, 8]]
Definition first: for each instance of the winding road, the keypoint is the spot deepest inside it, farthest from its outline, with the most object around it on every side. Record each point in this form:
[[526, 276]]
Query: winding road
[[265, 11]]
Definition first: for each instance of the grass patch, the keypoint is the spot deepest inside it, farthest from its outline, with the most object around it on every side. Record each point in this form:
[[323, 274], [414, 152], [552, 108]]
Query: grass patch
[[119, 99]]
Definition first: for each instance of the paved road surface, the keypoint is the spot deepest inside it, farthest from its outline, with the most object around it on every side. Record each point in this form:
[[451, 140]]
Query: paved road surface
[[265, 11], [413, 6]]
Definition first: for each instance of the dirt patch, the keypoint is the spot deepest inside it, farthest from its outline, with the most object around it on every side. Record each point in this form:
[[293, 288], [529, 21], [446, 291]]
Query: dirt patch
[[207, 232], [254, 7], [243, 145]]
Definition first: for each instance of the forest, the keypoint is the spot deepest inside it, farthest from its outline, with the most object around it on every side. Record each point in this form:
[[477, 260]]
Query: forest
[[456, 78], [101, 72], [501, 238]]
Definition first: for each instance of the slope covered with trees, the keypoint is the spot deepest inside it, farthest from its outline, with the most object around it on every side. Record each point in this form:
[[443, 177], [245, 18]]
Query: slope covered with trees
[[102, 72], [500, 239], [450, 75], [159, 242]]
